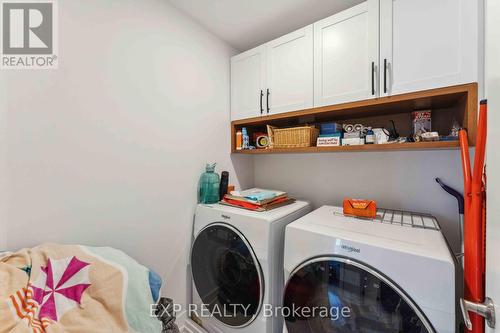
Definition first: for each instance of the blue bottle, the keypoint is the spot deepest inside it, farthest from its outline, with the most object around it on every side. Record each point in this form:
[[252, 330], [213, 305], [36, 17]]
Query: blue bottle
[[208, 186], [370, 137]]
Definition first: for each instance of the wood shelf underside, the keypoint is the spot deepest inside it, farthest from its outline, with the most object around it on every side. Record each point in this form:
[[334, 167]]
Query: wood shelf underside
[[460, 100], [429, 99]]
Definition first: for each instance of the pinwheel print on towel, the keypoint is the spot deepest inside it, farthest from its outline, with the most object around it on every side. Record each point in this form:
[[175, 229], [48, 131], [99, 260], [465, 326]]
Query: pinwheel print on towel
[[58, 289]]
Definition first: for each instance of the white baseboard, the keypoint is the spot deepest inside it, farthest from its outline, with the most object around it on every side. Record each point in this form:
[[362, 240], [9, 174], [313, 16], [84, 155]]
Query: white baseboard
[[180, 319], [191, 327]]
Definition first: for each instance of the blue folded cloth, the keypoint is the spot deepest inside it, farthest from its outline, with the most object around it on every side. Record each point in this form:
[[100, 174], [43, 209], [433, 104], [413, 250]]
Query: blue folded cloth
[[260, 196]]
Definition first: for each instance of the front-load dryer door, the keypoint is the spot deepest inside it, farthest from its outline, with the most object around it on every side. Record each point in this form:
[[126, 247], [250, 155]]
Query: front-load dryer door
[[227, 275], [335, 295]]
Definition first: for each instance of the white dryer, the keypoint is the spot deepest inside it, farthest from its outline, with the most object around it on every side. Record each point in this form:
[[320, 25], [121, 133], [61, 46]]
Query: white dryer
[[391, 274], [237, 266]]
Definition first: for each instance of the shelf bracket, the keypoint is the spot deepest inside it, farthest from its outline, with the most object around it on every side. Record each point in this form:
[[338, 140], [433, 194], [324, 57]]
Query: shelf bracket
[[486, 310]]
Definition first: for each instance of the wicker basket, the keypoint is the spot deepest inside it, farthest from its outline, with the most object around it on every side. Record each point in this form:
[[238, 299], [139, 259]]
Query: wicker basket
[[293, 137]]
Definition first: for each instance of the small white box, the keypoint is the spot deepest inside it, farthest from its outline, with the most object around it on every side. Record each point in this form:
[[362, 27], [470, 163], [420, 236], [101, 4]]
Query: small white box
[[353, 141], [328, 141]]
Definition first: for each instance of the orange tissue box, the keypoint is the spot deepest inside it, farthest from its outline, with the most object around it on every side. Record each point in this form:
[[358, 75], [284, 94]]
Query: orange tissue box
[[360, 208]]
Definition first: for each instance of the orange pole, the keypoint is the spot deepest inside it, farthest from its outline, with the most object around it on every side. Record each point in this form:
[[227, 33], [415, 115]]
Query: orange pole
[[464, 147], [478, 181], [478, 187], [466, 167]]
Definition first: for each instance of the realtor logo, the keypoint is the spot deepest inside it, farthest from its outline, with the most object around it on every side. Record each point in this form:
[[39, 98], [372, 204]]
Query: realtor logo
[[28, 34]]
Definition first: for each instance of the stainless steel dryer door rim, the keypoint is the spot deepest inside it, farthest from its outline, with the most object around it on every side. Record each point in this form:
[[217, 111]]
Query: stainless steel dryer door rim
[[255, 262], [370, 270]]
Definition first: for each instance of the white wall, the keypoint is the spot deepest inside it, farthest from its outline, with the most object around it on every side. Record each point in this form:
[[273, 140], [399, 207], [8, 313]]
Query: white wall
[[3, 160], [395, 179], [493, 156], [108, 149]]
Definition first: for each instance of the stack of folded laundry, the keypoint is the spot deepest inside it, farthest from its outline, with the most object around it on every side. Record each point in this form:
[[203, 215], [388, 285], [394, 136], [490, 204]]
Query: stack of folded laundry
[[257, 199]]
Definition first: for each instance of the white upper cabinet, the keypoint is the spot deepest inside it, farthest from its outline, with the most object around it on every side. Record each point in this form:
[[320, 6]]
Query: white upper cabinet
[[346, 55], [248, 81], [290, 72], [377, 48], [273, 78], [427, 44]]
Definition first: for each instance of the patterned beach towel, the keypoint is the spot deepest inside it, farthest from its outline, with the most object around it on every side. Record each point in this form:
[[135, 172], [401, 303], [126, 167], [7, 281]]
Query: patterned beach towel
[[74, 289]]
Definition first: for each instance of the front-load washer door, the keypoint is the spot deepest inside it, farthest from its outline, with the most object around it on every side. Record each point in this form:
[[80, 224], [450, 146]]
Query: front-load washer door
[[334, 295], [227, 275]]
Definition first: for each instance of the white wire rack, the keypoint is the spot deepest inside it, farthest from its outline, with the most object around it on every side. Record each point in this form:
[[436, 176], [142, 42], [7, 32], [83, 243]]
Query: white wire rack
[[402, 218]]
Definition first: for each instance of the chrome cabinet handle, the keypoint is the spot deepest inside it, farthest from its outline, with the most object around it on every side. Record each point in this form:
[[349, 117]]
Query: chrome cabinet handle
[[267, 101], [385, 76], [373, 78], [261, 107]]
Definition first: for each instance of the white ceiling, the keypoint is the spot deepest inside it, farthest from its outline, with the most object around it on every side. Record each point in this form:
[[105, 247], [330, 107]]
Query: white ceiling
[[248, 23]]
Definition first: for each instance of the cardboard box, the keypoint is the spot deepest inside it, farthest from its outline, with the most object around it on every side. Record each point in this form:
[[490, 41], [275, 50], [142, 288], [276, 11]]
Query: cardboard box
[[360, 208], [352, 135], [353, 141], [421, 121], [330, 128], [328, 141]]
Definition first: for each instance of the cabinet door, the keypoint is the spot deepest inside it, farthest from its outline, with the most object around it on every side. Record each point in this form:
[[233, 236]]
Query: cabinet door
[[346, 54], [290, 71], [428, 44], [248, 78]]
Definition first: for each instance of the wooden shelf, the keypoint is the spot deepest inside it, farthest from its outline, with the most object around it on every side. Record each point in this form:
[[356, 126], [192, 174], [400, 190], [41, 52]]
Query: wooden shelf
[[456, 103], [436, 145]]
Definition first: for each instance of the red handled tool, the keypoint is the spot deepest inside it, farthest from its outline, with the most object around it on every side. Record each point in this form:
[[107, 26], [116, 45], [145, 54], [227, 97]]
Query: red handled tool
[[475, 226]]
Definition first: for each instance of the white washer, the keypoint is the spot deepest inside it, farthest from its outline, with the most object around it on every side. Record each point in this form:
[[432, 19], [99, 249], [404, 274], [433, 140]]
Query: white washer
[[393, 274], [237, 258]]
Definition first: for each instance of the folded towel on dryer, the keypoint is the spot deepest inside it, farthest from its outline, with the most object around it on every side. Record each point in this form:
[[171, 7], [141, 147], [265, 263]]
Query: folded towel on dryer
[[256, 195]]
